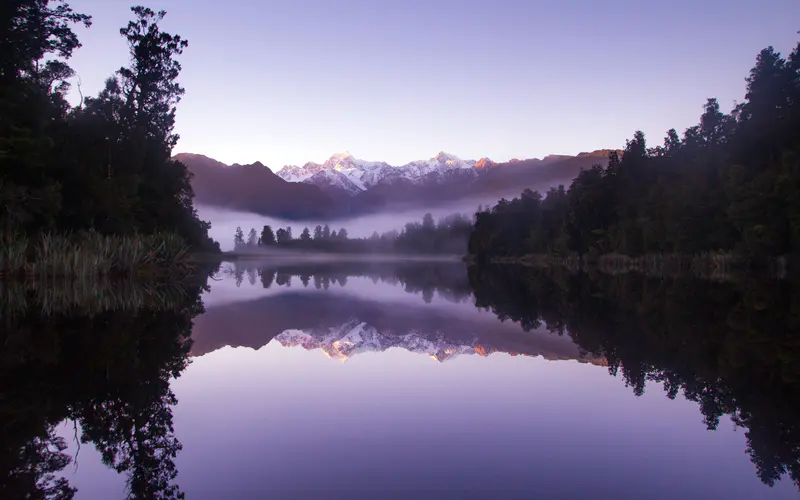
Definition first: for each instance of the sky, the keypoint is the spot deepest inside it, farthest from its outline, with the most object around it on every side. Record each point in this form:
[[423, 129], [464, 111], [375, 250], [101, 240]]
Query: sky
[[286, 82]]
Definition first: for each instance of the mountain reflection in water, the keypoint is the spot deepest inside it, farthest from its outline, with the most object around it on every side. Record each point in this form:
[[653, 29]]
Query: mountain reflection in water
[[104, 373], [355, 320]]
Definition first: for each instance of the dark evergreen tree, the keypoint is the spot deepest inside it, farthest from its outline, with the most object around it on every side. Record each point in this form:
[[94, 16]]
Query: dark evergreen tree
[[106, 164], [729, 185], [267, 236]]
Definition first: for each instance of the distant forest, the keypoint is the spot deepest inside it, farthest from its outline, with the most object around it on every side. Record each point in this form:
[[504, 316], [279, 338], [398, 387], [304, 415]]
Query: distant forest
[[730, 184], [448, 236], [103, 165]]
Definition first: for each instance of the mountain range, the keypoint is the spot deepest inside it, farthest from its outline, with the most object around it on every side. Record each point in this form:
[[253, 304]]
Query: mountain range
[[253, 188], [342, 342], [343, 326], [345, 309], [345, 186], [343, 171]]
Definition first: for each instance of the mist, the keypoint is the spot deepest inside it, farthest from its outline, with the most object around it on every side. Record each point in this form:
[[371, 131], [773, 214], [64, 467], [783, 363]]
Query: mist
[[225, 221]]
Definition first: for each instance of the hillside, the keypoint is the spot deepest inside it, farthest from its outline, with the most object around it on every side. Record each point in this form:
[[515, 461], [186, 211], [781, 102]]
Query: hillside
[[344, 186]]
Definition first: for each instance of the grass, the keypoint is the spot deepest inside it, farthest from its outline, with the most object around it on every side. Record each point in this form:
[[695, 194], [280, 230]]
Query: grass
[[87, 296], [91, 255]]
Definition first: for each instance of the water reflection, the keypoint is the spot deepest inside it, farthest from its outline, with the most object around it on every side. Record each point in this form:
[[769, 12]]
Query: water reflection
[[730, 347], [443, 325], [448, 279], [102, 362], [427, 386]]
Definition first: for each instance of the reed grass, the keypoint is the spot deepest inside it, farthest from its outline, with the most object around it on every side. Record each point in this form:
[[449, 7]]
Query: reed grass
[[91, 255], [88, 296]]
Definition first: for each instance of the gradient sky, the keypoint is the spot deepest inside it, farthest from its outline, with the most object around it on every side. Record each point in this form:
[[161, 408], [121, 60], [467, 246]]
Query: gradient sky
[[285, 82]]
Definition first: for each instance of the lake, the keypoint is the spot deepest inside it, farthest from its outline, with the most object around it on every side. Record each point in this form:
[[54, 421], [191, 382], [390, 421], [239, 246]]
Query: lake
[[404, 380]]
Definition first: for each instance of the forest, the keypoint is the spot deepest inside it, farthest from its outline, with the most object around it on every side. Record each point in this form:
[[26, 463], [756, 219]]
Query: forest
[[104, 165], [448, 236], [730, 185]]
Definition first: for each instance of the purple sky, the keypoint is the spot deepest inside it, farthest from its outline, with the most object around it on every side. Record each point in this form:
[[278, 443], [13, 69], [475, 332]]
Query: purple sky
[[286, 82]]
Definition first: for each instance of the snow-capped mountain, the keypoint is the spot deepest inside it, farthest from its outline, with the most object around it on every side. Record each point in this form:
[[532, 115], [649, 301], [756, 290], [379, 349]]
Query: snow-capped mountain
[[344, 171], [442, 161], [293, 173], [343, 186], [354, 337], [335, 179]]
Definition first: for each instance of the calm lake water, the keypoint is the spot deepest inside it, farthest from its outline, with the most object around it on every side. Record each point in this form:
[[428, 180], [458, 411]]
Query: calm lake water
[[406, 381]]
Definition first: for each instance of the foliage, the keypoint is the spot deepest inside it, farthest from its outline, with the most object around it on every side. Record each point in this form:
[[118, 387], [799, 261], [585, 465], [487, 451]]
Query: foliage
[[267, 237], [730, 184], [106, 164], [92, 255], [89, 295]]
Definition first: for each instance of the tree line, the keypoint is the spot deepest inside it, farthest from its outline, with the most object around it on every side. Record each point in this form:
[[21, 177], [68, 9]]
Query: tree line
[[731, 183], [104, 165], [449, 235], [730, 346]]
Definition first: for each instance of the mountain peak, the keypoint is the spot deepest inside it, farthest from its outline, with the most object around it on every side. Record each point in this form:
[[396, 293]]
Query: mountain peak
[[441, 156], [342, 172], [484, 163], [343, 155]]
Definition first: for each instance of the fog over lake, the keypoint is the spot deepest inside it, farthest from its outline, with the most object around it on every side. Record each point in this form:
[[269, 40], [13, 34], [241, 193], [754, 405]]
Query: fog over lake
[[224, 222]]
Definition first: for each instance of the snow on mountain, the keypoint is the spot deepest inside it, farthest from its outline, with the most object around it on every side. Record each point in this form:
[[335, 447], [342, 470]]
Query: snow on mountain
[[359, 172], [293, 173], [442, 161], [363, 174], [354, 337], [334, 178]]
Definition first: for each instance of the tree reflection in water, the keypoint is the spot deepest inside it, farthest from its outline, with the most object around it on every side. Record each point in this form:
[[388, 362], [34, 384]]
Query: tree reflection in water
[[732, 347], [105, 368]]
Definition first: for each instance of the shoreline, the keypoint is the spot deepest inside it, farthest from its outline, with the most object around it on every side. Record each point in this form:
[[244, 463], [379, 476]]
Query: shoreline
[[328, 257], [710, 265]]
